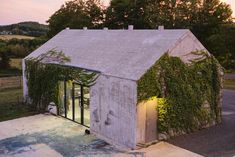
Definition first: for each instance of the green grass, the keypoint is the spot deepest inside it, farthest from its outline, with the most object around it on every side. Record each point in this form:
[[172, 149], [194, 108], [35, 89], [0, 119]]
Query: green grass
[[229, 84], [16, 63], [15, 68], [9, 37], [10, 72], [11, 105]]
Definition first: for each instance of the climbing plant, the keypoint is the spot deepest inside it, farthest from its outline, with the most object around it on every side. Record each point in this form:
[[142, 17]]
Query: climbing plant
[[44, 72], [188, 93]]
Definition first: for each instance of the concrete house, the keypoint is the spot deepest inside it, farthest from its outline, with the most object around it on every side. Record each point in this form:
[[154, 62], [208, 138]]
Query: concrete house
[[109, 107]]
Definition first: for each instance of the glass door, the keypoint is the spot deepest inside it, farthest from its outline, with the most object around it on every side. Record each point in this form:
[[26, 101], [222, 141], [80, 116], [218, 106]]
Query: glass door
[[77, 103], [61, 100], [65, 99], [74, 102], [69, 99], [86, 106]]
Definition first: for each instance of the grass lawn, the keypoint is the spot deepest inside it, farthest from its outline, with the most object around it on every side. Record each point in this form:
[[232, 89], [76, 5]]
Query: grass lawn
[[16, 63], [10, 72], [229, 84], [11, 105], [15, 68]]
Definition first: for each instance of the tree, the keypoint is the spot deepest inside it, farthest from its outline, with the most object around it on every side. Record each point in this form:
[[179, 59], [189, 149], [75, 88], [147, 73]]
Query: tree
[[222, 46], [76, 14], [122, 13], [4, 60], [211, 14], [197, 15]]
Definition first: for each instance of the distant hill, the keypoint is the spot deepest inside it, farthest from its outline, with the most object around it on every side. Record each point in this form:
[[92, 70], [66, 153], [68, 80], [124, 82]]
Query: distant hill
[[34, 29]]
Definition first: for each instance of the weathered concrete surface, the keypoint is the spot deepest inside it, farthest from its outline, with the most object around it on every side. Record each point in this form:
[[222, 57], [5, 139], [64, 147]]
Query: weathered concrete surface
[[121, 53], [29, 124], [162, 149], [184, 46], [113, 110], [61, 136], [49, 136], [38, 150]]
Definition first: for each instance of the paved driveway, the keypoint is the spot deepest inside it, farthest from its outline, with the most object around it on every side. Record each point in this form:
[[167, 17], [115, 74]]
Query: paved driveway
[[217, 141]]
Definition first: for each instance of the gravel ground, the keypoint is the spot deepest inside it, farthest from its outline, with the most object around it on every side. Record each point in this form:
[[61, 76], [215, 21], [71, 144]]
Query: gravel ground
[[217, 141]]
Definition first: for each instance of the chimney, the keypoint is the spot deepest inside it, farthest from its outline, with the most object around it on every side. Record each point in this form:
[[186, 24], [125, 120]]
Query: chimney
[[130, 27], [160, 28], [84, 28], [67, 28], [105, 28]]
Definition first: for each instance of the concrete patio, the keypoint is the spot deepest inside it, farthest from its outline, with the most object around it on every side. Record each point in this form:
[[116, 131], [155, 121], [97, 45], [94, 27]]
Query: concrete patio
[[51, 136]]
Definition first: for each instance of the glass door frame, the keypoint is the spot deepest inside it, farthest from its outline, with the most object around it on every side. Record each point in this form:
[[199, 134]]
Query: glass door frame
[[81, 101]]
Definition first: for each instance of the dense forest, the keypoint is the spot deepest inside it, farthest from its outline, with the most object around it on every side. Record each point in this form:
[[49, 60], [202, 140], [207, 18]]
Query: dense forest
[[34, 29]]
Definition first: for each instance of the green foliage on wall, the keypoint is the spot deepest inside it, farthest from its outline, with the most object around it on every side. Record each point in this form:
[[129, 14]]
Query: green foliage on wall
[[190, 92], [43, 77]]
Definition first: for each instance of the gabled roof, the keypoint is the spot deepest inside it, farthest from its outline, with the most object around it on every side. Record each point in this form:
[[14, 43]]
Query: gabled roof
[[120, 53]]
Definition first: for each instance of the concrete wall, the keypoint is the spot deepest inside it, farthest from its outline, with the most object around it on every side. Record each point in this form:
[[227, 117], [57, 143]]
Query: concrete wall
[[185, 46], [113, 110]]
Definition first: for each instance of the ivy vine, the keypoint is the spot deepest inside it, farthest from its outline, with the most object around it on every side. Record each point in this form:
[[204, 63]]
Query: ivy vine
[[44, 72], [183, 91]]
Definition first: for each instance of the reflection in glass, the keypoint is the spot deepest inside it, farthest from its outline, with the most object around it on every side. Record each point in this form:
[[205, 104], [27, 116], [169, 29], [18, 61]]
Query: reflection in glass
[[77, 103], [61, 99], [69, 106], [86, 103]]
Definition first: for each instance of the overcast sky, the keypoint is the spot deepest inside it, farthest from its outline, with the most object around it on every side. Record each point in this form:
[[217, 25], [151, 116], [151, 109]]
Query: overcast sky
[[14, 11]]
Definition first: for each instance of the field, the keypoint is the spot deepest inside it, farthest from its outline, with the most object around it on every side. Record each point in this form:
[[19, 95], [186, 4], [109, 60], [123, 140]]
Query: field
[[11, 105], [15, 69], [11, 101], [16, 63], [9, 37], [229, 84]]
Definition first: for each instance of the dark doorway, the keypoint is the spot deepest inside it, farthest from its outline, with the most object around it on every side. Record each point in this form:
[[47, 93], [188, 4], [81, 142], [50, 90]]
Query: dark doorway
[[74, 101]]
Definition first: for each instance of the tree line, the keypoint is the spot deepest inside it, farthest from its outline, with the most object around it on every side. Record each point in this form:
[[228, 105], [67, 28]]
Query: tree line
[[17, 48], [210, 20]]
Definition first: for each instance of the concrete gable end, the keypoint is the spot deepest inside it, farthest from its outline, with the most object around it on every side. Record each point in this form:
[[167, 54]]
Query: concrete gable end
[[184, 46]]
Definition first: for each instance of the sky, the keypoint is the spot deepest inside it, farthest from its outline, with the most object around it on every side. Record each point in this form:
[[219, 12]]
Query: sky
[[14, 11]]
